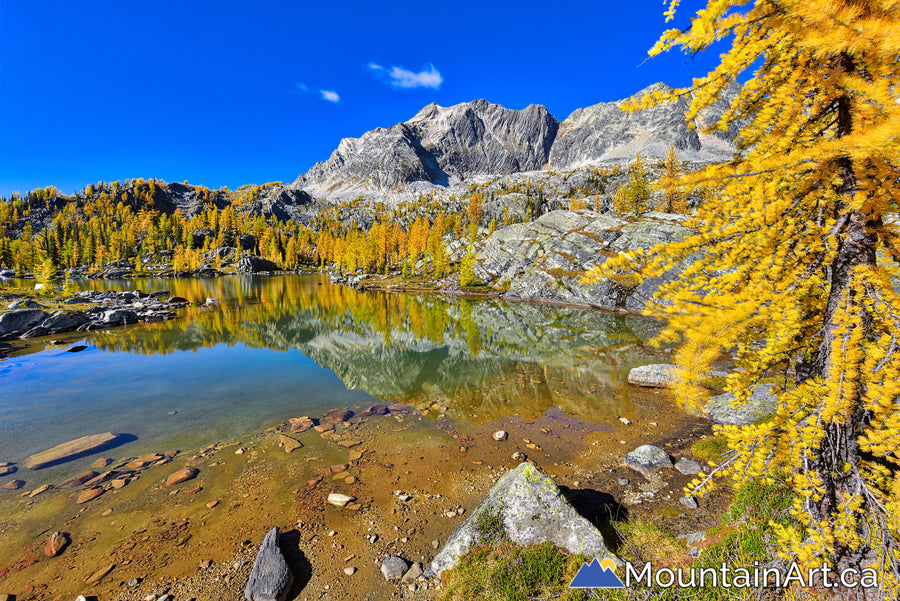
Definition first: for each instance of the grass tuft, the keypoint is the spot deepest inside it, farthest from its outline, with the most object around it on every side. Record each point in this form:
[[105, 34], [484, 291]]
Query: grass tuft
[[507, 572]]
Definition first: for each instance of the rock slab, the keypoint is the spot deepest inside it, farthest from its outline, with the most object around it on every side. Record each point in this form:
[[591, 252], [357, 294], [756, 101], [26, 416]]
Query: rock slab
[[648, 460], [532, 510], [68, 450], [271, 578], [290, 443]]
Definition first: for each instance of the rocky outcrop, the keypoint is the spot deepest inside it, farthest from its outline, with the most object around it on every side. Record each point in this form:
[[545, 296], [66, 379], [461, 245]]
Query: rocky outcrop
[[110, 309], [546, 259], [526, 507], [271, 578], [254, 264], [15, 323], [58, 321]]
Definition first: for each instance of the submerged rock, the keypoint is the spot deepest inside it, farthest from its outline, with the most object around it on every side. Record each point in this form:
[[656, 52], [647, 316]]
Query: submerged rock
[[271, 578], [528, 508], [55, 544], [89, 495], [182, 475], [648, 460], [301, 424], [79, 480], [69, 450], [100, 574], [336, 417], [289, 443], [374, 410]]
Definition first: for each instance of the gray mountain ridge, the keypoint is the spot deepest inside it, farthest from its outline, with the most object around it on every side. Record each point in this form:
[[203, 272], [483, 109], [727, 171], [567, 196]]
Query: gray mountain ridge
[[442, 146]]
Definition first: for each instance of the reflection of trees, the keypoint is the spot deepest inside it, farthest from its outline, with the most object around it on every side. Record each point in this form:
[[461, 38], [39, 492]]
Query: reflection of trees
[[478, 356]]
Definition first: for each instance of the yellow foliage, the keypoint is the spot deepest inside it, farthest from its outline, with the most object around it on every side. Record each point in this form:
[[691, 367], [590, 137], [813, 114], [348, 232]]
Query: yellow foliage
[[796, 268]]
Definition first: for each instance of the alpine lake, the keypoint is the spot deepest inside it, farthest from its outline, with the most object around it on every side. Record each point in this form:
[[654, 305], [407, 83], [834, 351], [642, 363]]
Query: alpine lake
[[219, 383]]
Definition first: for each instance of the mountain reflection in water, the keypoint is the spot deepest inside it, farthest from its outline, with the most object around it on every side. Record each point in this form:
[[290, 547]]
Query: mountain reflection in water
[[288, 345], [481, 357]]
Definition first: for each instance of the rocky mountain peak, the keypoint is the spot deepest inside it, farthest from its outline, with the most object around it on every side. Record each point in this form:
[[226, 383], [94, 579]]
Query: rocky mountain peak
[[446, 145]]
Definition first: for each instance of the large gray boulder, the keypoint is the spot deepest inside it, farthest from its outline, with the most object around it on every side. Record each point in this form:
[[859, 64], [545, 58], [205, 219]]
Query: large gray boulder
[[648, 459], [722, 409], [661, 375], [655, 375], [526, 507], [271, 578], [16, 323]]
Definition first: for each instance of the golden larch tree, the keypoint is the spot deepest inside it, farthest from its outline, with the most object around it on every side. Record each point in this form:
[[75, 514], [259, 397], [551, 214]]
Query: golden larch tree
[[795, 264]]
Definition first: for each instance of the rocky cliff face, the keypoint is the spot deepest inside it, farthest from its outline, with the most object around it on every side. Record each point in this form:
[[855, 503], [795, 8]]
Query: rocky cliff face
[[545, 260], [442, 146], [439, 146], [605, 133]]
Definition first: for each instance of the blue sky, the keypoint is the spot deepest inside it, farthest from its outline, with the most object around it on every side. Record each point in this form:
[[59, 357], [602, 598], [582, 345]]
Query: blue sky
[[230, 93]]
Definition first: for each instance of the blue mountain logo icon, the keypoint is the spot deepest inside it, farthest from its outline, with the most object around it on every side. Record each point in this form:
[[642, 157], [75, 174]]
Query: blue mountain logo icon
[[599, 574]]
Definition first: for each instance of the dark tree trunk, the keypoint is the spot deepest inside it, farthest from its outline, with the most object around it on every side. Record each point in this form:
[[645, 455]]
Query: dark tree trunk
[[837, 458]]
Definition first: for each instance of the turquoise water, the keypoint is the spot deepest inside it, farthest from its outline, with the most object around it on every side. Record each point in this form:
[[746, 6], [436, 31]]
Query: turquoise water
[[288, 345]]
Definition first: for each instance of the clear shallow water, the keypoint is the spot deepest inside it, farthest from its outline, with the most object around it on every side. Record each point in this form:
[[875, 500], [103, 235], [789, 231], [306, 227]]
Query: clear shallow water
[[288, 345]]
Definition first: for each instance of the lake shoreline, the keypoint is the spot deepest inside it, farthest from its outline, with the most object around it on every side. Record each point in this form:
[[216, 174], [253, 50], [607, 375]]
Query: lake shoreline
[[199, 538]]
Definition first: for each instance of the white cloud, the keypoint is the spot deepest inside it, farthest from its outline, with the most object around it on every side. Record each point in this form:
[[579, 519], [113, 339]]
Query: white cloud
[[300, 88], [398, 77], [330, 95]]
